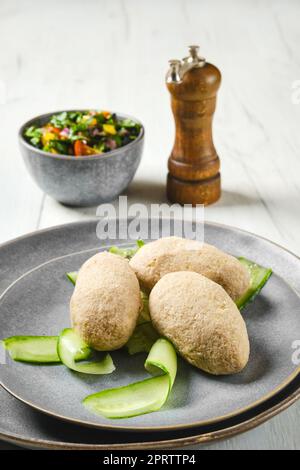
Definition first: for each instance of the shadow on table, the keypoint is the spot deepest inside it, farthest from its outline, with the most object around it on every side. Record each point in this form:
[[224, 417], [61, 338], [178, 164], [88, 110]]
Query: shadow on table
[[234, 198], [142, 192], [147, 192]]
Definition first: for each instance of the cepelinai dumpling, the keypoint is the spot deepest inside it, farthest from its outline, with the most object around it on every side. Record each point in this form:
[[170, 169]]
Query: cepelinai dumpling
[[170, 254], [106, 301], [201, 321]]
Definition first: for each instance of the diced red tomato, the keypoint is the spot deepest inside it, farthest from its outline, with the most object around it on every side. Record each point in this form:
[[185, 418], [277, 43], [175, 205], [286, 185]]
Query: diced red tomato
[[53, 129], [106, 114], [81, 149]]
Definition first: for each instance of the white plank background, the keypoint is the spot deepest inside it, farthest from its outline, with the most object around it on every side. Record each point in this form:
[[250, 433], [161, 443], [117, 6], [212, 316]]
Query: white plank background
[[113, 54]]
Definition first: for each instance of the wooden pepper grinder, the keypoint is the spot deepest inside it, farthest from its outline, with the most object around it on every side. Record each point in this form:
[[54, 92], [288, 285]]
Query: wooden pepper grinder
[[194, 165]]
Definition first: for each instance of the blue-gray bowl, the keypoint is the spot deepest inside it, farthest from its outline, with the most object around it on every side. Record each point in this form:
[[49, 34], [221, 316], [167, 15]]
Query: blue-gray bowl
[[82, 181]]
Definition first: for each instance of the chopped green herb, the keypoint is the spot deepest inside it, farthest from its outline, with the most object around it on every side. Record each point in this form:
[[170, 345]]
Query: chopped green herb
[[82, 133], [34, 135]]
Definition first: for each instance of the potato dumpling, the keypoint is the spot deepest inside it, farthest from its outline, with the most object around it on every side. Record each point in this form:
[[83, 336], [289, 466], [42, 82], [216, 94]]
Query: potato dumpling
[[202, 322], [106, 301], [170, 254]]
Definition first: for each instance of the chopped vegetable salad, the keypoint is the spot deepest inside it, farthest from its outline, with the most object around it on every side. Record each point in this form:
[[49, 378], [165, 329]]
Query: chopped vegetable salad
[[83, 133]]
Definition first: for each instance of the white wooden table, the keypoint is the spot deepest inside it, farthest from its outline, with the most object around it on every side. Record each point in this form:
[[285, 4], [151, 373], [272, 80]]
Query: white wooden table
[[113, 55]]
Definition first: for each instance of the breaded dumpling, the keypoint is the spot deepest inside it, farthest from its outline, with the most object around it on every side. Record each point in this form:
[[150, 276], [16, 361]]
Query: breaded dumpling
[[170, 254], [201, 321], [106, 300]]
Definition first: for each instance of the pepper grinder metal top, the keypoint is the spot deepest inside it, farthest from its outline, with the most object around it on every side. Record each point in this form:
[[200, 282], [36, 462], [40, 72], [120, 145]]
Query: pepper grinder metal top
[[194, 165]]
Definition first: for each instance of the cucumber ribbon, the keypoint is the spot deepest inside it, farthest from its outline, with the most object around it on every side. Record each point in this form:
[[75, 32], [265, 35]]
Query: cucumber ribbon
[[258, 278], [126, 252], [68, 346], [72, 277], [141, 397], [39, 349]]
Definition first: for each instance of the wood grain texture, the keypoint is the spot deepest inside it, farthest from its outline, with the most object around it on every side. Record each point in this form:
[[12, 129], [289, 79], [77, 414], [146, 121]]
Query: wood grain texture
[[194, 165], [117, 58]]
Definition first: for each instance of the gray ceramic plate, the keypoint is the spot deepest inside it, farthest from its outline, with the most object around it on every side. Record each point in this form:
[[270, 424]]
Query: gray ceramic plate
[[35, 301], [24, 426]]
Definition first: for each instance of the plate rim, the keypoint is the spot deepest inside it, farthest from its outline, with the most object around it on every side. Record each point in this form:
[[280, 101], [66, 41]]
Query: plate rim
[[104, 426], [205, 438]]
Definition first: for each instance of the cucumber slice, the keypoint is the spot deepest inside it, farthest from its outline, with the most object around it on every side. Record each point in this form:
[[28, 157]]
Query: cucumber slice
[[68, 346], [72, 276], [37, 349], [126, 252], [258, 278], [141, 397], [142, 339], [162, 358]]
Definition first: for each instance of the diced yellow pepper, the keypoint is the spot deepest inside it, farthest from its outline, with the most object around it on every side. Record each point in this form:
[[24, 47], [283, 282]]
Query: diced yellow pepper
[[47, 136], [93, 122], [109, 129]]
